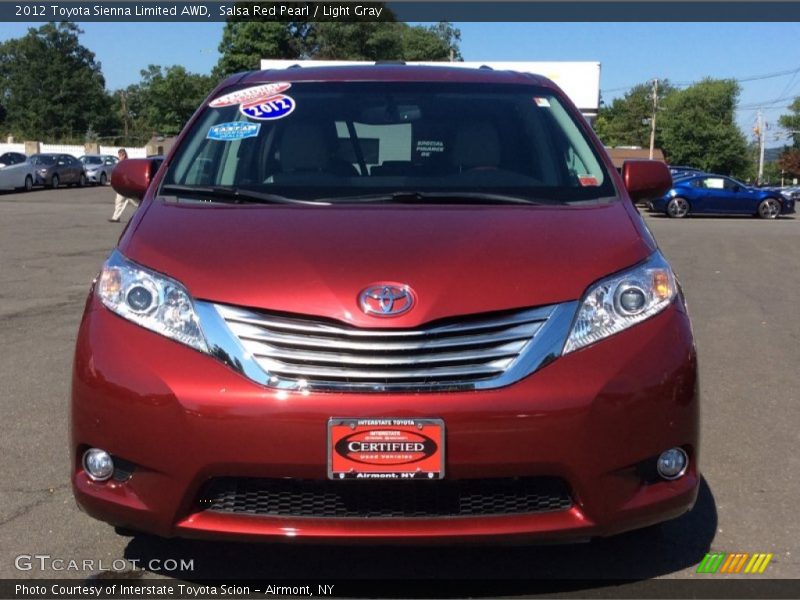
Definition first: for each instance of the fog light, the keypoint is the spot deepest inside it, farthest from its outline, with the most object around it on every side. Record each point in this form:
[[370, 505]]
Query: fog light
[[672, 463], [98, 464]]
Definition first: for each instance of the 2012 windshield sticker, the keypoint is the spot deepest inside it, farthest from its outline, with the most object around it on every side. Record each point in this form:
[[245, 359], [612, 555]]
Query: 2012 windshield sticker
[[238, 130], [270, 109], [251, 95]]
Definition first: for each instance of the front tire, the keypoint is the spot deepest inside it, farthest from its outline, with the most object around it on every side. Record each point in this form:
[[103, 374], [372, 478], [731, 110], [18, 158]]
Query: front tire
[[677, 208], [82, 180], [54, 182], [769, 208], [28, 183], [103, 178]]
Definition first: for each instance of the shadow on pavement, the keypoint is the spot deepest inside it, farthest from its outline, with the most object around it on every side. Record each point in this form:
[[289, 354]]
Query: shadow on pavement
[[637, 555]]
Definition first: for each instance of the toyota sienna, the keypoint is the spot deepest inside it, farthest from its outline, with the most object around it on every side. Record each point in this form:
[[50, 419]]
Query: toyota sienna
[[381, 304]]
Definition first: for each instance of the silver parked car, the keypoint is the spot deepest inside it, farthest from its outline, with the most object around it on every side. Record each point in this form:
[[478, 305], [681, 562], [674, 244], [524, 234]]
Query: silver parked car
[[98, 167], [16, 171]]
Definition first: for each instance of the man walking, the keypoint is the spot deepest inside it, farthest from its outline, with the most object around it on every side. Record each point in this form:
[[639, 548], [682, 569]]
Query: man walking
[[120, 202]]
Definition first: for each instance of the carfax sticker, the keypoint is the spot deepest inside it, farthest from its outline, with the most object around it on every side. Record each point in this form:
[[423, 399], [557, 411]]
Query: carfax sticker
[[238, 130], [588, 180], [542, 102], [251, 94], [270, 109]]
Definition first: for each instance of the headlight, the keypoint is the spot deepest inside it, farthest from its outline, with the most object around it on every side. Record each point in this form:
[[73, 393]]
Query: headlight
[[621, 301], [151, 300]]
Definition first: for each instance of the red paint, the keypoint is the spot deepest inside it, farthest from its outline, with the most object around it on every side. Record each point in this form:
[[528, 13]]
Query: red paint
[[646, 179], [132, 177]]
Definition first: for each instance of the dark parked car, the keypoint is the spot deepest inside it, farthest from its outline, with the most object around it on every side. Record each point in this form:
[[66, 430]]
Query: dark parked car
[[53, 170], [716, 194], [468, 334]]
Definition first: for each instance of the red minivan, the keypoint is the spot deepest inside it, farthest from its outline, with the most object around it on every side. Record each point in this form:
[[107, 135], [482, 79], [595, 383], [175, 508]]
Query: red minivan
[[384, 304]]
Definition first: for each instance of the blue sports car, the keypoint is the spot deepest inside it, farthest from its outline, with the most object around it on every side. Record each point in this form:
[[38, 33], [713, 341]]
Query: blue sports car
[[716, 194]]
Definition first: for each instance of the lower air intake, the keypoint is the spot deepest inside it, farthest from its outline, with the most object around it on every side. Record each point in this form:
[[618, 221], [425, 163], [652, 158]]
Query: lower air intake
[[385, 500]]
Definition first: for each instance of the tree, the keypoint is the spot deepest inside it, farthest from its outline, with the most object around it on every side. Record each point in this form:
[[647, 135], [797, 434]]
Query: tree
[[791, 122], [627, 121], [698, 128], [244, 44], [789, 162], [51, 86], [437, 42], [163, 101]]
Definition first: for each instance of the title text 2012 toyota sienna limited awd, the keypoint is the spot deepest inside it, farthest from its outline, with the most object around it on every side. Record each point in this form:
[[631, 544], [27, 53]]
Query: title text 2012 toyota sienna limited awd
[[386, 303]]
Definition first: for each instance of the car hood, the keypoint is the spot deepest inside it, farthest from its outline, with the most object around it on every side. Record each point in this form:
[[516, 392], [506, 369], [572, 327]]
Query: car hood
[[316, 260]]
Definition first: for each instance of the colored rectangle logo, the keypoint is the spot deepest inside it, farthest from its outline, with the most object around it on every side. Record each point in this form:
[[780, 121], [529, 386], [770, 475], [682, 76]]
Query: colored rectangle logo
[[237, 130], [732, 563]]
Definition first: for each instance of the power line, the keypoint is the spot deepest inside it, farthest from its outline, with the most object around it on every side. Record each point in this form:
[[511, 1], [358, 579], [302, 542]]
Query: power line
[[745, 79], [737, 79], [765, 103]]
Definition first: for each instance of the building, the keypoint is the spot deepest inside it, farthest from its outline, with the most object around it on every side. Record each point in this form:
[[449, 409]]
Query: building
[[622, 153]]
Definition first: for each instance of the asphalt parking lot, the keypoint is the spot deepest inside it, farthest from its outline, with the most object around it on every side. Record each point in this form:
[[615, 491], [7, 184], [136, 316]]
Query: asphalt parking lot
[[741, 277]]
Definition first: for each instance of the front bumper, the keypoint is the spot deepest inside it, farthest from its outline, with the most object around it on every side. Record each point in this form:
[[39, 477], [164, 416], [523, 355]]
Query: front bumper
[[182, 418]]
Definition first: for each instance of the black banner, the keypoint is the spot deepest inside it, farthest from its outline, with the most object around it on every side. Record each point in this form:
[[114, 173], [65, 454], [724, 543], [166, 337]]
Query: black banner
[[414, 11], [712, 587]]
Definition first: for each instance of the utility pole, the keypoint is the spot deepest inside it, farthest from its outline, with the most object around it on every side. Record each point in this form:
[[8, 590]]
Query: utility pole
[[653, 120], [760, 127], [124, 106]]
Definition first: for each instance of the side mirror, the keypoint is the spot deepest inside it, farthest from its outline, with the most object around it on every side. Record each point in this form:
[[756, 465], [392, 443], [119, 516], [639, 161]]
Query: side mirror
[[645, 179], [132, 177]]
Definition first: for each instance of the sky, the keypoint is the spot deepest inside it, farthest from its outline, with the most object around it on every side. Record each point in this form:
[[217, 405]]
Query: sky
[[629, 53]]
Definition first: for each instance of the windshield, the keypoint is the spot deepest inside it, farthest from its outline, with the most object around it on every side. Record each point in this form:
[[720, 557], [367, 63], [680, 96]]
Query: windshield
[[91, 160], [343, 141]]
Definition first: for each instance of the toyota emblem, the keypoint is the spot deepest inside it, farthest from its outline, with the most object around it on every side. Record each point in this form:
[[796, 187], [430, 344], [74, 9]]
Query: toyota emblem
[[386, 299]]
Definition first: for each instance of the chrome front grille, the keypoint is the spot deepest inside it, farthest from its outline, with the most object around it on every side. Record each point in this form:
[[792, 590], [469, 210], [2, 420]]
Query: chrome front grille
[[468, 353]]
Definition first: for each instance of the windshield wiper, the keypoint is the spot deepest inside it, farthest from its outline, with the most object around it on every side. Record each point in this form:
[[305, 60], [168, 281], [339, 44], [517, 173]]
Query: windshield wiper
[[412, 197], [235, 195]]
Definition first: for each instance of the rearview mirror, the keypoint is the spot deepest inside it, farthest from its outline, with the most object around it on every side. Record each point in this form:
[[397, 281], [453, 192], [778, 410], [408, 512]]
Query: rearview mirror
[[132, 177], [645, 179]]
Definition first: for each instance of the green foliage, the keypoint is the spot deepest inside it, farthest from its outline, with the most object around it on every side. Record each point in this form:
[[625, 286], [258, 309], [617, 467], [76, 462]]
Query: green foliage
[[437, 42], [694, 126], [627, 121], [51, 86], [163, 101], [791, 122], [698, 128], [244, 44]]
